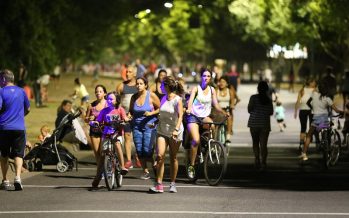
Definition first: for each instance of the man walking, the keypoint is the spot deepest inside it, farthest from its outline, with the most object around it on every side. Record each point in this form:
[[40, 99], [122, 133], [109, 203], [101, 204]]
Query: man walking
[[14, 105]]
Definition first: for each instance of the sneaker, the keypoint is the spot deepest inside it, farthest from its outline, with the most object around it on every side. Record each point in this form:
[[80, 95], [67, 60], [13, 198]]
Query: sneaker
[[129, 165], [303, 156], [5, 185], [138, 163], [145, 176], [173, 188], [18, 185], [124, 171], [191, 172], [157, 188], [227, 143]]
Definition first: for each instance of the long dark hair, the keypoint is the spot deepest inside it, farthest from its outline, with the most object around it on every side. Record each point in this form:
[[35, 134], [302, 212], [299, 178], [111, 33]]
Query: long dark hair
[[323, 88], [173, 85], [263, 92]]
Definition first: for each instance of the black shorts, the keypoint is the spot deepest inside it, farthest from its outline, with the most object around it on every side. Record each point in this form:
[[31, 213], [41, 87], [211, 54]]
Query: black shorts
[[95, 132], [12, 143], [280, 120]]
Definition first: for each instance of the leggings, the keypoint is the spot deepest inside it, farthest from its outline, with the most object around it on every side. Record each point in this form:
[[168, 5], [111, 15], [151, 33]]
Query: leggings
[[260, 141], [304, 116]]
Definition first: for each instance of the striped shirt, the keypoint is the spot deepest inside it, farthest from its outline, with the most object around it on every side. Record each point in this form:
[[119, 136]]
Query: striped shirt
[[259, 113]]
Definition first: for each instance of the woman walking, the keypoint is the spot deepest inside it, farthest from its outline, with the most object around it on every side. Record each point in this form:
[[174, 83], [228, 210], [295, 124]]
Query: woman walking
[[305, 115], [260, 108], [158, 81], [144, 108], [169, 132], [93, 111]]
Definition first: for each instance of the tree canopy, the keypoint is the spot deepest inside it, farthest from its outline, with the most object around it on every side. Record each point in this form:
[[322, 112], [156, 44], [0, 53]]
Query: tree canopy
[[42, 33]]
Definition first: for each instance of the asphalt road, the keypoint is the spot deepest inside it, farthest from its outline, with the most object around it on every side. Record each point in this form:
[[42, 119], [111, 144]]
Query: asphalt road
[[285, 189]]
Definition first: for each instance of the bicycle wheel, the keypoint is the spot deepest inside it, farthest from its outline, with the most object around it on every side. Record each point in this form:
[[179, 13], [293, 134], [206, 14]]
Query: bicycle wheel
[[109, 171], [119, 177], [335, 147], [215, 163]]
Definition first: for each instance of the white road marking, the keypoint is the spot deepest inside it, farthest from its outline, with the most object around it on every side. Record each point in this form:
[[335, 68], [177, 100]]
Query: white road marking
[[173, 212], [130, 186]]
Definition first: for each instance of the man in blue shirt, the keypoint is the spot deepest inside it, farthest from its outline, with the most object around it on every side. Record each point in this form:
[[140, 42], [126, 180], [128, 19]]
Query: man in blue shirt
[[14, 105]]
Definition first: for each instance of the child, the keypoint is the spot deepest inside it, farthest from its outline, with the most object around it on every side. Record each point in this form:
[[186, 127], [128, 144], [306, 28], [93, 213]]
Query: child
[[44, 133], [280, 115], [113, 108]]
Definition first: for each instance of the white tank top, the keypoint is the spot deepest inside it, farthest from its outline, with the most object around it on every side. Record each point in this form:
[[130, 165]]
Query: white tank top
[[306, 95], [202, 104], [223, 101]]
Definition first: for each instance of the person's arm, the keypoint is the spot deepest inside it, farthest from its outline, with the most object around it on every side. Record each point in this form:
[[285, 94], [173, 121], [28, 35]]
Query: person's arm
[[119, 88], [26, 104], [180, 113], [154, 100], [132, 102], [296, 106], [191, 99], [88, 113], [232, 98], [250, 106]]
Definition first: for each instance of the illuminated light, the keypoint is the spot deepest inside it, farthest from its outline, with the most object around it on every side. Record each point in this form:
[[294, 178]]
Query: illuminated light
[[168, 5], [193, 73], [180, 75], [136, 16], [200, 6], [147, 11]]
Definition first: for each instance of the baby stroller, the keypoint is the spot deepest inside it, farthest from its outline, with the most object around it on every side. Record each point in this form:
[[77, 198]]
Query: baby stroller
[[52, 153]]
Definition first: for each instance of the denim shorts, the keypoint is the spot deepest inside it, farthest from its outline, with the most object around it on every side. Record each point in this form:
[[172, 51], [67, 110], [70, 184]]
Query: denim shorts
[[144, 139], [193, 119], [319, 119]]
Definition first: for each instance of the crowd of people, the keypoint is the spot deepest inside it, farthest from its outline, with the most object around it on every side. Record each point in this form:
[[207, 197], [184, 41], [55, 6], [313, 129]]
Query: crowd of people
[[162, 116]]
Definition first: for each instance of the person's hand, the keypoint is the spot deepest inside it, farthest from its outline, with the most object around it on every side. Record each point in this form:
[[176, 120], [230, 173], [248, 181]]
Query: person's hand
[[175, 134], [188, 111], [129, 116], [147, 114], [92, 117]]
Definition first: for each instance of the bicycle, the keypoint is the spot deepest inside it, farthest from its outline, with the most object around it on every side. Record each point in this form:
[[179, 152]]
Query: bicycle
[[212, 154], [111, 166], [330, 142]]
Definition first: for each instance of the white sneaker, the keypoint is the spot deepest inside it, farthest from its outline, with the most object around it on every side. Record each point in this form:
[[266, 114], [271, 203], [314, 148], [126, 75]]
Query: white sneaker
[[18, 185], [5, 185], [304, 156], [173, 188]]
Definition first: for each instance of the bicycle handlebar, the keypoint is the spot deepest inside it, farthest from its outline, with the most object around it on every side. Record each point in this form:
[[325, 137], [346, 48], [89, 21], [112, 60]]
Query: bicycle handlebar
[[209, 123]]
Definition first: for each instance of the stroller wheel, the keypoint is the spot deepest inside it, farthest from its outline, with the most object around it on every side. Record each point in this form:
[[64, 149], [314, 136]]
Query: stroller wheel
[[62, 166], [29, 165], [38, 166]]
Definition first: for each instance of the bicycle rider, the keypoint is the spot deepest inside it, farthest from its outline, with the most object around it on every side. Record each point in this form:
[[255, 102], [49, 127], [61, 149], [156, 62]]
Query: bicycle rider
[[320, 102], [200, 103], [114, 108]]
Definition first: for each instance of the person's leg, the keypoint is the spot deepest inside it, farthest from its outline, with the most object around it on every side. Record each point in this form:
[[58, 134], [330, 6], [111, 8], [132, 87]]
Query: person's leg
[[174, 147], [264, 135], [308, 139], [255, 146], [230, 121], [149, 137], [120, 154], [193, 129], [95, 141], [161, 151], [4, 167], [128, 145], [138, 141], [18, 166]]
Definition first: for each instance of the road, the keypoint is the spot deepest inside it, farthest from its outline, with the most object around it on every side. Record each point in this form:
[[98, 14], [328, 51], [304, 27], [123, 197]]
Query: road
[[285, 189]]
